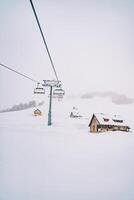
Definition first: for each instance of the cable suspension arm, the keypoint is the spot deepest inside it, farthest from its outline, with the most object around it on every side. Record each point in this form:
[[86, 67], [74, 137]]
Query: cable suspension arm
[[43, 39], [18, 73]]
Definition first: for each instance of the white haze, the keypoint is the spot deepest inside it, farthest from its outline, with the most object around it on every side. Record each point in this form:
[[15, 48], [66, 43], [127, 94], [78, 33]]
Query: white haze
[[91, 43]]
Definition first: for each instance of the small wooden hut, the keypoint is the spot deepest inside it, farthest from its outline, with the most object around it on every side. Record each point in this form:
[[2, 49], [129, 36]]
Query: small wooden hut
[[101, 122], [37, 112]]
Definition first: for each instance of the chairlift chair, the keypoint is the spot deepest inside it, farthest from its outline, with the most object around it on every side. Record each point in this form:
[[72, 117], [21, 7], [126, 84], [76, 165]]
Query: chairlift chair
[[58, 93], [39, 89]]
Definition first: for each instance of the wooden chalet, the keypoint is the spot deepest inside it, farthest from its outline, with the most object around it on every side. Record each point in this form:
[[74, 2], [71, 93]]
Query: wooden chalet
[[37, 112], [101, 123]]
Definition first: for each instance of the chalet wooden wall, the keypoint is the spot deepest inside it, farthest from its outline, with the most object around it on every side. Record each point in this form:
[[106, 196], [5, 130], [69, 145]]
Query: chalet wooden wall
[[93, 127]]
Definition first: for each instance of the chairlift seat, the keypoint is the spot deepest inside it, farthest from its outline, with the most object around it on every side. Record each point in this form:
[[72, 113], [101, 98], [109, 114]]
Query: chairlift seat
[[39, 90], [59, 92]]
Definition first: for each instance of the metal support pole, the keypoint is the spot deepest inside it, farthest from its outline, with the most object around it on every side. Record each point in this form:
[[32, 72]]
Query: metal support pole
[[50, 108]]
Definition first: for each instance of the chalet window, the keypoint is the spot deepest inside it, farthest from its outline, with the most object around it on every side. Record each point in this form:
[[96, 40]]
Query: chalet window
[[104, 126], [117, 120], [98, 126], [110, 126], [106, 119]]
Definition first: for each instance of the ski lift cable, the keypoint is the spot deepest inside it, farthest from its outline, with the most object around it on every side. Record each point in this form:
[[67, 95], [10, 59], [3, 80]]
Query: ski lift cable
[[9, 68], [44, 40]]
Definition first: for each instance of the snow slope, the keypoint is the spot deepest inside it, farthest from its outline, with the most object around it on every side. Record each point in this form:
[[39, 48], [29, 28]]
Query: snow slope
[[65, 161]]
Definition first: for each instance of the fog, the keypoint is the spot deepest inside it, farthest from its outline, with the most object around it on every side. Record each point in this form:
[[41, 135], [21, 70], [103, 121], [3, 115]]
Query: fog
[[91, 43], [115, 97]]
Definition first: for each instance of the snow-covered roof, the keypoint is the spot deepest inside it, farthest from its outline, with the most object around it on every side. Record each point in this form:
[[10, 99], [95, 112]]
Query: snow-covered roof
[[106, 119], [37, 110]]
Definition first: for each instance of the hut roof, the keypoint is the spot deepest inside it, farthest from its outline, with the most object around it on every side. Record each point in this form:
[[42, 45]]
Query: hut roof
[[37, 111], [105, 119]]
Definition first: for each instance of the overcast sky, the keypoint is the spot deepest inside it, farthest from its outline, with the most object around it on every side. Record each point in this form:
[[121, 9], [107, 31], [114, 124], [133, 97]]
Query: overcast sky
[[91, 43]]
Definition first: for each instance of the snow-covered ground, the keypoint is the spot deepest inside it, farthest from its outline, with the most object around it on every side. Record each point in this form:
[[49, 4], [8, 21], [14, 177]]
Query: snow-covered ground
[[65, 161]]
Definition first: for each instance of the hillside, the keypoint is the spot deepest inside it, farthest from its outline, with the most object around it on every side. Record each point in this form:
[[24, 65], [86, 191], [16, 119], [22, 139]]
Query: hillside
[[65, 161]]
